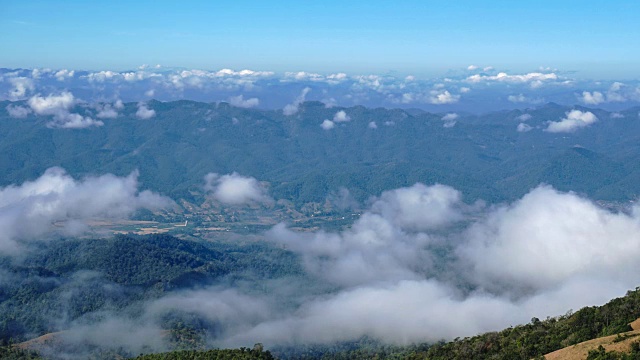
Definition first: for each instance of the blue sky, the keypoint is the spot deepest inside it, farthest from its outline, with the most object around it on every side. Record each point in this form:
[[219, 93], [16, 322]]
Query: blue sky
[[594, 38]]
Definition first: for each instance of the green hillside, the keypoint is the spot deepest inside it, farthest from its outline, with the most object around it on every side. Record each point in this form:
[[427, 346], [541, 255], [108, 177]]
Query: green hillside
[[483, 156]]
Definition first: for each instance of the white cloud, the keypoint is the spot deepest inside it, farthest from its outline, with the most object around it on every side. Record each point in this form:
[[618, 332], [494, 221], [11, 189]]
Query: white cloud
[[617, 92], [372, 125], [28, 211], [522, 127], [385, 243], [547, 238], [292, 109], [341, 116], [36, 73], [101, 76], [534, 78], [593, 98], [107, 112], [235, 189], [338, 78], [239, 101], [52, 104], [18, 112], [64, 74], [327, 124], [616, 115], [144, 112], [303, 76], [416, 256], [58, 106], [73, 121], [614, 95], [21, 85], [575, 119], [443, 97], [524, 117], [541, 255], [450, 116], [243, 73], [472, 67], [449, 120]]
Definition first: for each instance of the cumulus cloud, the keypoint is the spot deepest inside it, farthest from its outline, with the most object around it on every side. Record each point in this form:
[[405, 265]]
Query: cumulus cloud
[[59, 107], [235, 189], [327, 124], [21, 85], [372, 125], [292, 109], [52, 104], [450, 116], [449, 120], [64, 74], [108, 111], [524, 117], [239, 101], [547, 238], [74, 121], [385, 243], [575, 119], [30, 210], [522, 127], [592, 98], [534, 77], [616, 115], [18, 112], [617, 92], [443, 97], [303, 76], [341, 116], [144, 112]]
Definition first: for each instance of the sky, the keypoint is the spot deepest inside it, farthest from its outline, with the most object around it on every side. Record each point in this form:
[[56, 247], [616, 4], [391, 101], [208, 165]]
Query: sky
[[592, 38]]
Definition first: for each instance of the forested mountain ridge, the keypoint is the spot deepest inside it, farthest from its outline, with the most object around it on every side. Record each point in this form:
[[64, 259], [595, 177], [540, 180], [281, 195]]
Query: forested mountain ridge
[[70, 279], [368, 151]]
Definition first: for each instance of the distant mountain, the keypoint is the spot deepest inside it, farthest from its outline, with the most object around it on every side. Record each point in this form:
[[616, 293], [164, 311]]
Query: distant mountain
[[374, 150]]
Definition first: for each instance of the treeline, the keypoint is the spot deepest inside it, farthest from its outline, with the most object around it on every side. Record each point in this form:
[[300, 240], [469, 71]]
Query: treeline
[[257, 353]]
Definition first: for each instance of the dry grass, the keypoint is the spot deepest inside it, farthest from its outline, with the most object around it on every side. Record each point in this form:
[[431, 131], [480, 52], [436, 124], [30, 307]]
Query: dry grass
[[580, 351], [40, 341]]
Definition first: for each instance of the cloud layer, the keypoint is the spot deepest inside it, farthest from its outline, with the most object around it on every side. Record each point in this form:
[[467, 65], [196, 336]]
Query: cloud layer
[[475, 89], [57, 201]]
